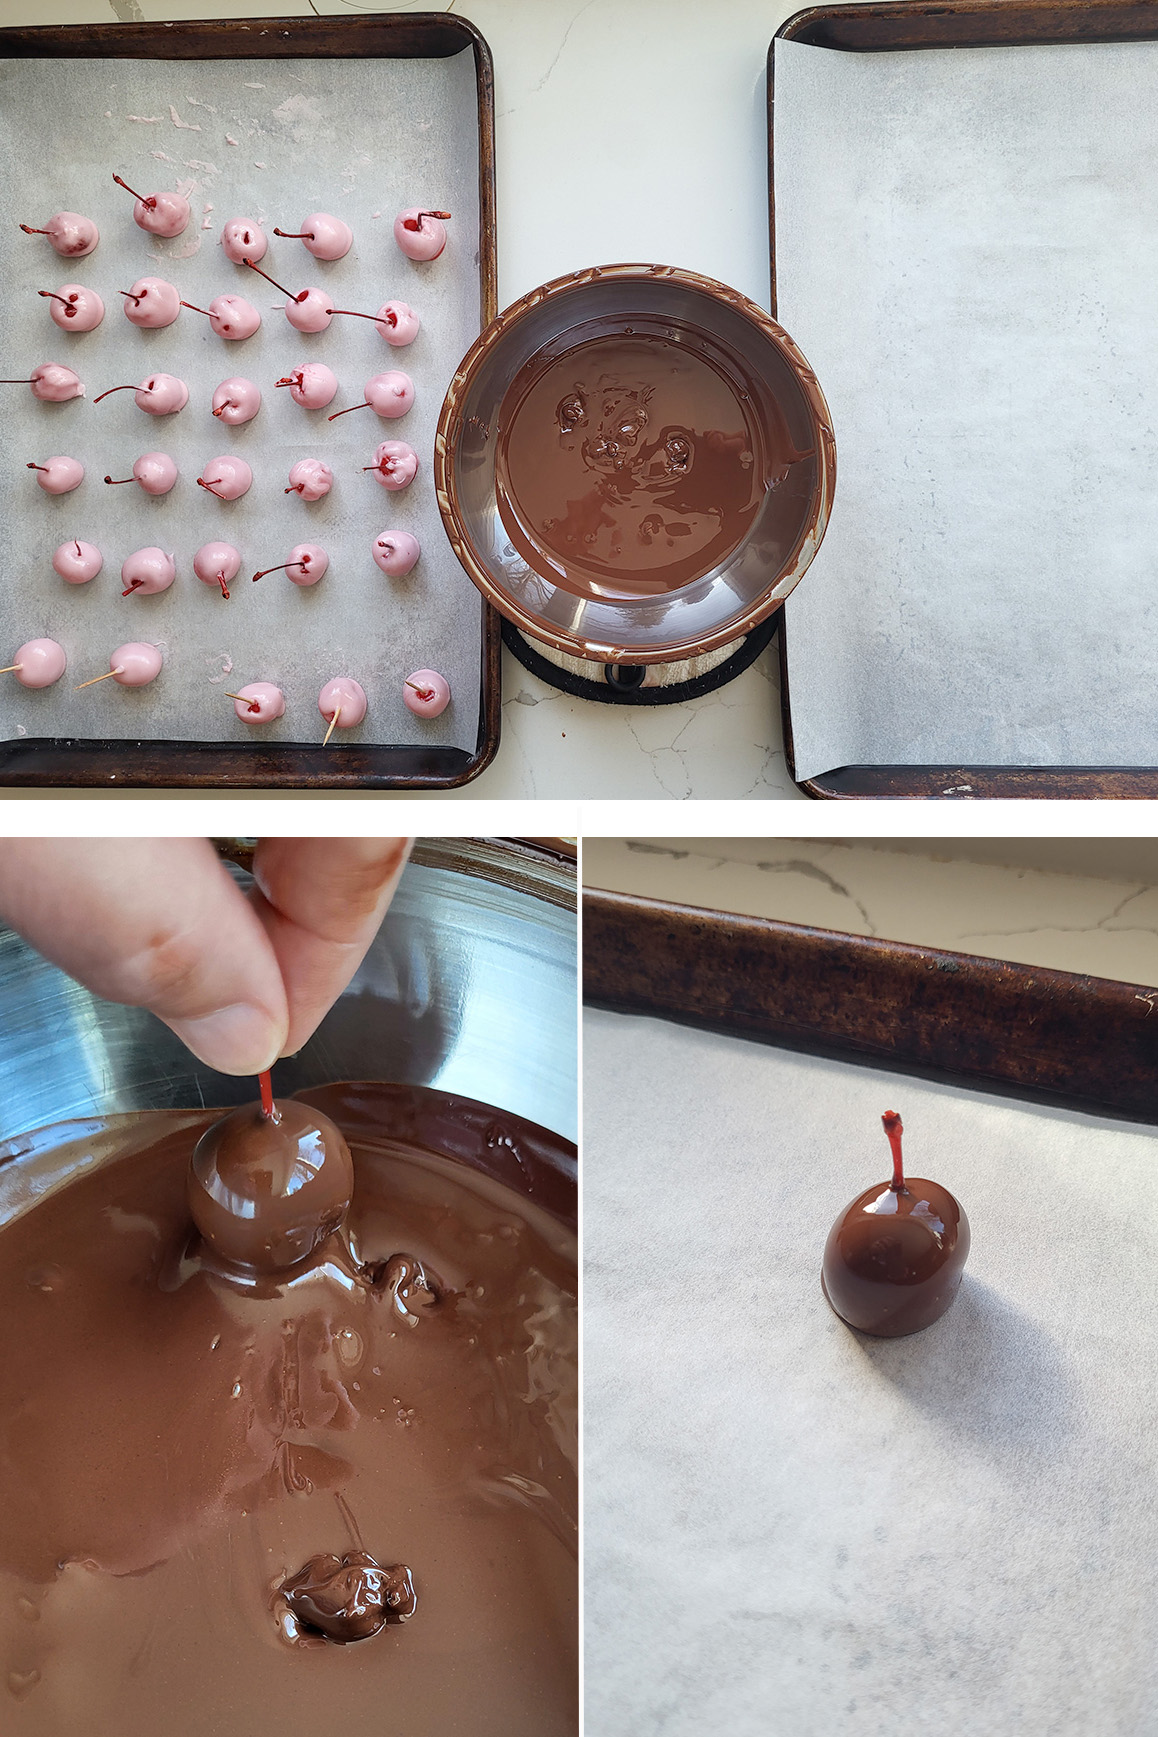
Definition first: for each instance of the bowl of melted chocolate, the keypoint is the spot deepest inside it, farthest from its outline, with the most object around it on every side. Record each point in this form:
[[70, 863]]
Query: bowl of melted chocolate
[[288, 1393], [635, 464]]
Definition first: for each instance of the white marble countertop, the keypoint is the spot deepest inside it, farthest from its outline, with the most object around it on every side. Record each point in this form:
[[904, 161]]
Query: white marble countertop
[[625, 130]]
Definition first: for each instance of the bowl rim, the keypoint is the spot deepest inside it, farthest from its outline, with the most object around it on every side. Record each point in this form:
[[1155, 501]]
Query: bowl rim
[[449, 430]]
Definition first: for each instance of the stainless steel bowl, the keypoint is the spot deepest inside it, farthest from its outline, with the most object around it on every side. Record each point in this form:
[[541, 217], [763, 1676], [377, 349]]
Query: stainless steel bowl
[[719, 606], [470, 986]]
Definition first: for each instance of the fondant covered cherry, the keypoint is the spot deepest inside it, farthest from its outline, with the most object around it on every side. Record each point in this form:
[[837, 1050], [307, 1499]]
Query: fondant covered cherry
[[59, 476], [396, 552], [70, 234], [217, 564], [342, 702], [152, 303], [243, 239], [236, 401], [147, 571], [310, 478], [426, 693], [258, 703], [894, 1258], [228, 478], [52, 383], [390, 395], [312, 385], [420, 234], [398, 323], [74, 308], [154, 472], [77, 562], [395, 464], [164, 214], [306, 565], [38, 663], [230, 316], [326, 237], [158, 395], [133, 665]]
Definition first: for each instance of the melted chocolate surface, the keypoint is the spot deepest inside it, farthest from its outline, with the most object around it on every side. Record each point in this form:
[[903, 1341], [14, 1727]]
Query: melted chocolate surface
[[180, 1442]]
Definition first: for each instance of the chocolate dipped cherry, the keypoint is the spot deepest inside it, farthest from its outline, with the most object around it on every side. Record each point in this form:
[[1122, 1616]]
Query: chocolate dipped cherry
[[894, 1258], [396, 552], [236, 401], [398, 323], [311, 478], [230, 316], [70, 234], [306, 565], [52, 383], [342, 702], [59, 476], [133, 665], [420, 234], [147, 571], [228, 478], [217, 564], [164, 214], [426, 693], [157, 395], [243, 239], [348, 1598], [152, 303], [312, 385], [258, 703], [154, 472], [39, 663], [77, 562], [389, 395], [326, 237], [395, 464], [74, 308]]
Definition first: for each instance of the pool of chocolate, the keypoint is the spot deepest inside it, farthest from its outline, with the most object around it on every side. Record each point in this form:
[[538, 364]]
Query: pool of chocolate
[[176, 1442]]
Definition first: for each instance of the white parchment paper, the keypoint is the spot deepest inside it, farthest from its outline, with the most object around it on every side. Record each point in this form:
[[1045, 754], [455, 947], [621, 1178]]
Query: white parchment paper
[[967, 251], [273, 140], [793, 1529]]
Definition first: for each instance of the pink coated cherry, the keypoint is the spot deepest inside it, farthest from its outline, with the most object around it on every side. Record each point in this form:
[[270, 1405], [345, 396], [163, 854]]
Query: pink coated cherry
[[395, 464], [310, 311], [59, 476], [164, 214], [217, 564], [159, 394], [326, 237], [398, 323], [259, 703], [396, 552], [390, 394], [347, 698], [420, 234], [148, 571], [310, 478], [77, 562], [70, 234], [242, 239], [426, 693], [228, 478], [236, 401], [152, 303], [40, 663], [154, 472], [230, 316], [306, 565], [136, 664], [312, 385], [75, 308], [52, 382]]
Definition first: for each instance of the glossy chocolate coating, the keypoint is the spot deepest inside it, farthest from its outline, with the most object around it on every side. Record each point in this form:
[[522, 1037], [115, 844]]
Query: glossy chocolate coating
[[893, 1260], [264, 1191], [349, 1598]]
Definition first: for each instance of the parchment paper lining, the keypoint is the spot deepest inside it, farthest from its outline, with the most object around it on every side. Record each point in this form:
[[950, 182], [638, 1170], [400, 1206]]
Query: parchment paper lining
[[793, 1528], [966, 251], [361, 139]]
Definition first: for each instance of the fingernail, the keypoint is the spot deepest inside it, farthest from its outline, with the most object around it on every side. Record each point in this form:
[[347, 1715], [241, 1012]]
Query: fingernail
[[239, 1039]]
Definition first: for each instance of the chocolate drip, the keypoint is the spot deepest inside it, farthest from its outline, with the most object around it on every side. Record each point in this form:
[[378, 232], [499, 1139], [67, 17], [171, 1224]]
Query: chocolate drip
[[349, 1598]]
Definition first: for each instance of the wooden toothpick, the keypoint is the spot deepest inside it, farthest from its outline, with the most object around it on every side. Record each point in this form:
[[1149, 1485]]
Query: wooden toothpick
[[333, 721]]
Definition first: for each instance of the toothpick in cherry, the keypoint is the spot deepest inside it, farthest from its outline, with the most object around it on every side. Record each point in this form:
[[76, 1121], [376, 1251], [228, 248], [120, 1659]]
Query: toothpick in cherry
[[258, 703], [426, 693], [39, 663], [133, 665], [343, 702]]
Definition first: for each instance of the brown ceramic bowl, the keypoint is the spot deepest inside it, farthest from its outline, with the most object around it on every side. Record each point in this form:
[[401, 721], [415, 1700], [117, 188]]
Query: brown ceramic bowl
[[757, 379]]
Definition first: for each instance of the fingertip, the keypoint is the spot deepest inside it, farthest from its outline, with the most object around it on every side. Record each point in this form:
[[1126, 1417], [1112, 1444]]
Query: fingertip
[[239, 1039]]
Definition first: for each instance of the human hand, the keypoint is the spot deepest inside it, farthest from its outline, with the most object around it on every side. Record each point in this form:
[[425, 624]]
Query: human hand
[[160, 923]]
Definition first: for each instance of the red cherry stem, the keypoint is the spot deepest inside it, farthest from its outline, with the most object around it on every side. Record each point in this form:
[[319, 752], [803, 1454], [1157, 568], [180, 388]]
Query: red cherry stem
[[224, 586], [79, 555], [128, 295], [294, 489], [284, 568], [110, 392], [117, 481], [53, 297], [288, 381], [196, 310], [385, 465], [299, 297], [230, 404], [415, 223], [302, 235], [149, 202], [365, 405], [354, 314], [42, 467], [29, 231], [133, 586], [29, 382], [894, 1128], [202, 484], [266, 1084]]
